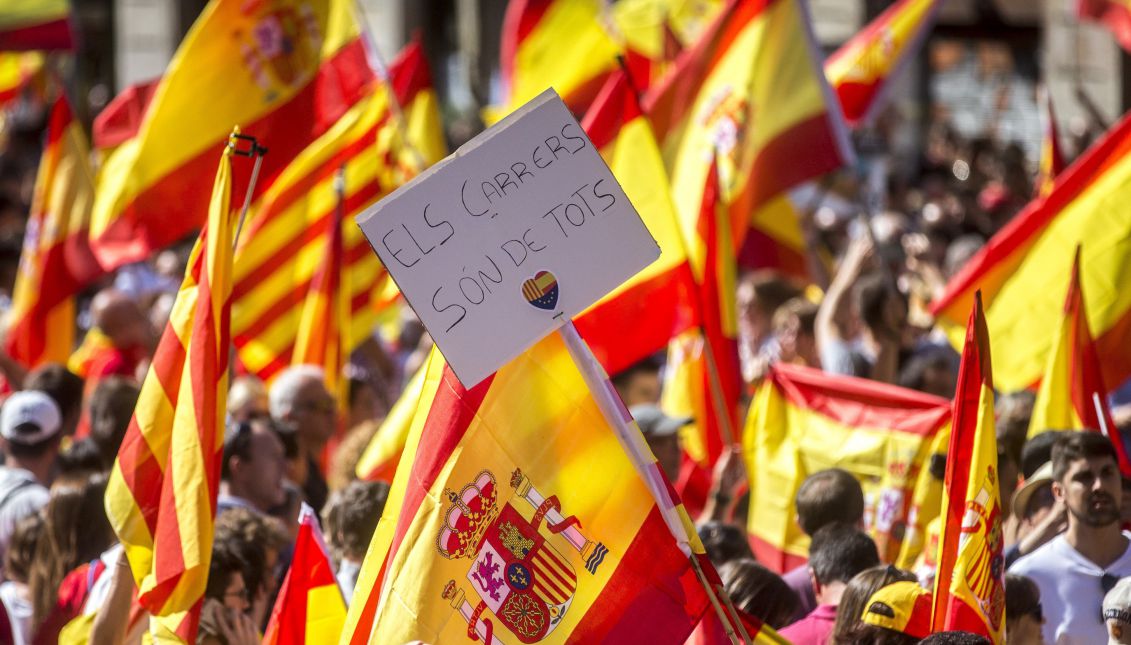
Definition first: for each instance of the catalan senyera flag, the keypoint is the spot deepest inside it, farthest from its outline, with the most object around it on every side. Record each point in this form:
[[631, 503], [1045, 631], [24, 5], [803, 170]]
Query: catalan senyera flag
[[970, 579], [751, 94], [803, 420], [661, 299], [161, 497], [562, 44], [35, 24], [286, 71], [56, 261], [1113, 14], [863, 69], [516, 516], [283, 242], [1073, 376], [16, 69], [1051, 162], [1035, 249], [309, 607]]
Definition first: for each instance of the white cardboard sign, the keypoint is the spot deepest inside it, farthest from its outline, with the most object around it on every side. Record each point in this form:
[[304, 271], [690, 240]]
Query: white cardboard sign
[[509, 237]]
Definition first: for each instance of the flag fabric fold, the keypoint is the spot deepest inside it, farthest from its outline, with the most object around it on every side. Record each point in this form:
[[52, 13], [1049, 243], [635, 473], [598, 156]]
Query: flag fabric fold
[[803, 420], [161, 496], [56, 261], [520, 518], [35, 24], [969, 592], [1051, 161], [309, 607]]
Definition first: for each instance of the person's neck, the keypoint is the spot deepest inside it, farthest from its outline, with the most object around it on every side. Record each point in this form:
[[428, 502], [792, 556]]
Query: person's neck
[[830, 594], [227, 489], [1102, 545], [40, 469]]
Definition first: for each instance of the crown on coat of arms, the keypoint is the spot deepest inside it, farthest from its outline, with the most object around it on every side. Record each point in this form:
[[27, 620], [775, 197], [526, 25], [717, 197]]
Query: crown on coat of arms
[[472, 511]]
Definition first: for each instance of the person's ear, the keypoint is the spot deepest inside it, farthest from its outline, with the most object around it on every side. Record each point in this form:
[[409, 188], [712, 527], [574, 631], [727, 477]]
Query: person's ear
[[1058, 491]]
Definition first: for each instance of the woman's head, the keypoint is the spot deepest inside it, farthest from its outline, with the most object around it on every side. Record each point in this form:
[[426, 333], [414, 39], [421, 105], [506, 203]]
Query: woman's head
[[759, 592], [855, 598]]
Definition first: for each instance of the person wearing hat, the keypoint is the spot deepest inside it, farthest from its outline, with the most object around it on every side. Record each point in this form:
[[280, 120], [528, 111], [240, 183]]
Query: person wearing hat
[[1117, 613], [1039, 515], [897, 614], [30, 429], [662, 434]]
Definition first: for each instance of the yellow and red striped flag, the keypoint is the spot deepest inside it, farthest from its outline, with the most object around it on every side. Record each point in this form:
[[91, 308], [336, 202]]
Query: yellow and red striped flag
[[803, 420], [970, 579], [282, 244], [161, 497], [1035, 249], [309, 607], [1073, 378], [1051, 162], [1113, 14], [56, 261], [16, 70], [383, 453], [35, 24], [285, 70], [555, 43], [517, 516], [863, 69], [751, 94]]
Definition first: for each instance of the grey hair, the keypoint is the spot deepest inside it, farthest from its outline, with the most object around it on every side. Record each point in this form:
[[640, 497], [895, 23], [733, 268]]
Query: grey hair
[[286, 385]]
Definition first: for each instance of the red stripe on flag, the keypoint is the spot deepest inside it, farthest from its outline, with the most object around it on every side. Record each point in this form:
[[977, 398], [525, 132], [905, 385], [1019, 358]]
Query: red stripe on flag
[[55, 34]]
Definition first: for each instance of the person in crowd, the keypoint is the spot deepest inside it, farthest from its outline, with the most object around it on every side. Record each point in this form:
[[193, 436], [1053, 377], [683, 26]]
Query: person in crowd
[[1117, 613], [793, 331], [30, 427], [351, 518], [724, 542], [15, 595], [301, 404], [225, 616], [756, 590], [75, 533], [826, 497], [260, 542], [955, 638], [1075, 569], [111, 407], [1037, 452], [1039, 515], [662, 434], [253, 467], [897, 614], [758, 297], [64, 387], [247, 399], [366, 410], [129, 338], [639, 383], [1023, 614], [837, 553], [933, 371], [856, 595]]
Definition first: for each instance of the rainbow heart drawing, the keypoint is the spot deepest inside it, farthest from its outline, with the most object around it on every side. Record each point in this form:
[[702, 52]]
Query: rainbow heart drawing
[[541, 290]]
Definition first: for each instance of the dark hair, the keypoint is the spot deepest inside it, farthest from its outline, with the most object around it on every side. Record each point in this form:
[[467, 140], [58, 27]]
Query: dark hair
[[1037, 451], [840, 551], [111, 407], [33, 450], [759, 592], [849, 626], [352, 515], [724, 542], [81, 457], [237, 442], [871, 293], [914, 374], [20, 555], [248, 536], [1071, 446], [955, 638], [1022, 597], [828, 496], [228, 557], [63, 386], [771, 290], [646, 365]]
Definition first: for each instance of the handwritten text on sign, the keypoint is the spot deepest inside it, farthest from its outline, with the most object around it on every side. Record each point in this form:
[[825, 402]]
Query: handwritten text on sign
[[518, 231]]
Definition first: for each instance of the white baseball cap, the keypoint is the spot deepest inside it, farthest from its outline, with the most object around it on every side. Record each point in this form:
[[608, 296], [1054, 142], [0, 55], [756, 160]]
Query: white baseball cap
[[29, 417], [1117, 612]]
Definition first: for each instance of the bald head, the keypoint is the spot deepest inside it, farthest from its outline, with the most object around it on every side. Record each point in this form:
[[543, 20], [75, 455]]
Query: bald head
[[120, 318]]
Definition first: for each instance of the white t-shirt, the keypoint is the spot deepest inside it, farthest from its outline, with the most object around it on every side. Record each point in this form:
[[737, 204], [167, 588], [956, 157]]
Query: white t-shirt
[[1072, 593]]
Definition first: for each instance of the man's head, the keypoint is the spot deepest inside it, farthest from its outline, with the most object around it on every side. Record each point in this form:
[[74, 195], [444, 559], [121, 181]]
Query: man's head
[[351, 517], [254, 463], [829, 496], [121, 319], [1023, 615], [1037, 451], [31, 426], [724, 542], [1086, 476], [758, 296], [299, 399], [64, 387], [794, 324], [837, 553], [247, 399], [1034, 499], [639, 383], [111, 406], [662, 434]]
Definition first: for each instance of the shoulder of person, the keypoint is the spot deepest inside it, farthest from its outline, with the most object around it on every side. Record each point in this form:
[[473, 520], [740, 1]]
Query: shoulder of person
[[1045, 558]]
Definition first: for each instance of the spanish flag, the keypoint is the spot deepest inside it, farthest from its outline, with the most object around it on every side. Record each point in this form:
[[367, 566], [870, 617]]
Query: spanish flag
[[803, 420], [1113, 14], [1051, 162], [161, 497], [555, 43], [517, 516], [655, 32], [309, 607], [56, 262], [284, 241], [1073, 378], [35, 24], [970, 579], [863, 69], [285, 71], [1035, 249], [16, 69], [751, 94]]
